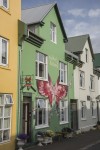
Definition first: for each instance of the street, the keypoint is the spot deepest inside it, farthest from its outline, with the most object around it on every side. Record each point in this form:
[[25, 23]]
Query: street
[[85, 141]]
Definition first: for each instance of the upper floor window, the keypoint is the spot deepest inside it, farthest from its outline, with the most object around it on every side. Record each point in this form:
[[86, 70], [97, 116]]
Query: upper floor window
[[91, 82], [83, 109], [63, 111], [82, 79], [63, 73], [53, 32], [3, 51], [4, 3], [5, 117], [41, 66], [41, 112], [86, 55]]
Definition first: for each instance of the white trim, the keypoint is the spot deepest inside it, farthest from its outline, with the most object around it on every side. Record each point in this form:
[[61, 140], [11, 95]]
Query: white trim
[[41, 126], [8, 117], [1, 38]]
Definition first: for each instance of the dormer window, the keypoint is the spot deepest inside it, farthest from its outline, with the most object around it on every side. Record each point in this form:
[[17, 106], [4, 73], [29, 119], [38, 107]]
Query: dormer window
[[53, 32]]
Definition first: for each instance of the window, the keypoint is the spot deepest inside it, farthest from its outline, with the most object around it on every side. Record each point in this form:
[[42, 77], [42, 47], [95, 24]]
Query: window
[[3, 51], [82, 79], [91, 82], [63, 111], [53, 32], [86, 55], [93, 108], [5, 117], [41, 112], [83, 109], [63, 73], [41, 66], [4, 3]]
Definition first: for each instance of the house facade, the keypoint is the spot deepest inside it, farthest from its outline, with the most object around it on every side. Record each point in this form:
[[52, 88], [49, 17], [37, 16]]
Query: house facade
[[46, 77], [84, 82], [9, 15], [97, 72]]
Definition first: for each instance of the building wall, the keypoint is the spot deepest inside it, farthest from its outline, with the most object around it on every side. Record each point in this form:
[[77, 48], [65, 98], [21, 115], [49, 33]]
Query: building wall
[[55, 53], [8, 75], [82, 93]]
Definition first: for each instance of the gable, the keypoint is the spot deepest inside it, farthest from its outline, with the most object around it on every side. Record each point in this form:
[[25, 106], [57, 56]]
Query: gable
[[36, 15], [76, 44]]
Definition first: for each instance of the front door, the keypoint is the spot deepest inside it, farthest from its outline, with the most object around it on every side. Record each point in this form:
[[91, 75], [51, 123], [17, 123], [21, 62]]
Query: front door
[[74, 115], [27, 116]]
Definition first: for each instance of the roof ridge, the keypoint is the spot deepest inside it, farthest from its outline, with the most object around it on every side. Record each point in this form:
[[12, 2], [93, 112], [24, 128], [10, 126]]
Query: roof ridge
[[39, 5], [79, 35]]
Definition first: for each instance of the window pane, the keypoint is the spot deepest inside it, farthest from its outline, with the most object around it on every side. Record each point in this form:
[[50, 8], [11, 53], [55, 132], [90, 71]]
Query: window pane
[[7, 111], [41, 57], [0, 136], [41, 70], [1, 122], [6, 123], [36, 69], [8, 99], [6, 135], [1, 99], [5, 3], [1, 111], [4, 51]]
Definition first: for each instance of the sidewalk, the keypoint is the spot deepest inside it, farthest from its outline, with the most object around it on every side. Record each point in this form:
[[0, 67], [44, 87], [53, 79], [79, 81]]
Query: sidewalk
[[76, 143]]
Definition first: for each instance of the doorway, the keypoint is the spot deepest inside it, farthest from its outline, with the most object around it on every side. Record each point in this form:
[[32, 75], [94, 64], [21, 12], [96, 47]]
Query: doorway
[[74, 114], [26, 127]]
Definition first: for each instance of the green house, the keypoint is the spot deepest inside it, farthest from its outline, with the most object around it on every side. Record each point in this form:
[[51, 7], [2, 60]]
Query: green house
[[46, 72]]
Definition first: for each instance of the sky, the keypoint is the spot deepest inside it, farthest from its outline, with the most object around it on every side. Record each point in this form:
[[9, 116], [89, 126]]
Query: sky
[[78, 16]]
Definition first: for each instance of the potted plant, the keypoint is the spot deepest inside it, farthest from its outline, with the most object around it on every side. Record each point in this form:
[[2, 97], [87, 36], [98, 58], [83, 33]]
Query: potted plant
[[21, 140]]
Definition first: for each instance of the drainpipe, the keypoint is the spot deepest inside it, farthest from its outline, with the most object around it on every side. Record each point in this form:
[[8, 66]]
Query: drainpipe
[[19, 91]]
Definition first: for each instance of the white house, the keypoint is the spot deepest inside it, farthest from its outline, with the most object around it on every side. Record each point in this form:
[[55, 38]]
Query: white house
[[85, 82]]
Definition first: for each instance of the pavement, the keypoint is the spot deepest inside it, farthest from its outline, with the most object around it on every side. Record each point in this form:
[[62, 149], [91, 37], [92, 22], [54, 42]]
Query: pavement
[[83, 141]]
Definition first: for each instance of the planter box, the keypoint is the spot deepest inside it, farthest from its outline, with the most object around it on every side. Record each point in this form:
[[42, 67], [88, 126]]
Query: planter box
[[47, 140]]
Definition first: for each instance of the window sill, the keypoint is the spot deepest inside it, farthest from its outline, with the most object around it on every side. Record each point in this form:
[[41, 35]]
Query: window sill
[[38, 78], [41, 127], [5, 10], [93, 117], [53, 42], [92, 90], [82, 88], [5, 142], [62, 83], [83, 119], [64, 122], [4, 67]]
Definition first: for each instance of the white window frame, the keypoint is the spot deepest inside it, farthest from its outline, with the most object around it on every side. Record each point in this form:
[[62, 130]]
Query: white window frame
[[53, 32], [44, 108], [63, 111], [44, 64], [83, 110], [63, 73], [1, 51], [5, 103], [82, 79], [2, 4], [92, 82]]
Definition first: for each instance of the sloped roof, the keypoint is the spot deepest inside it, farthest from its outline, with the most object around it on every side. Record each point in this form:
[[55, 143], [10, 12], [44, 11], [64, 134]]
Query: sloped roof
[[37, 14], [97, 60], [76, 44]]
